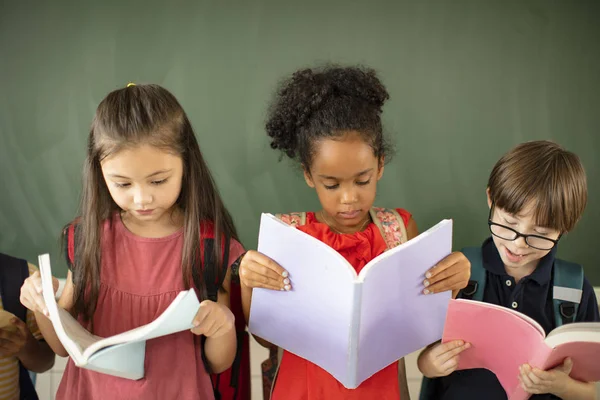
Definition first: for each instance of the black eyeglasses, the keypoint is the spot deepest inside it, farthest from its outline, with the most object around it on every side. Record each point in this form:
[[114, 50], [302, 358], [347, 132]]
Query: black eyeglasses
[[507, 233]]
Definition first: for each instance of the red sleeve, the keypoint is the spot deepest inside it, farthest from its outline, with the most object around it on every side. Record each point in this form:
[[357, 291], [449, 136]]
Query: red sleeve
[[406, 216]]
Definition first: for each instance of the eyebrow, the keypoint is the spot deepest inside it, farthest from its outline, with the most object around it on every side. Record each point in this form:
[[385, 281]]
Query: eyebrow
[[162, 171], [359, 174]]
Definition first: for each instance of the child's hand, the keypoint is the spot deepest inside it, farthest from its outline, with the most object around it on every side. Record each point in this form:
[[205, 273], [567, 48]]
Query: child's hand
[[441, 359], [31, 293], [14, 339], [213, 320], [258, 270], [536, 381], [452, 273]]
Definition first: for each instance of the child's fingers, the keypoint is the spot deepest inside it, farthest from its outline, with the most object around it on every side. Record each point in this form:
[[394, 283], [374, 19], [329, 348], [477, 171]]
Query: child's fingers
[[449, 366], [449, 283], [455, 261], [529, 377], [256, 275], [203, 311], [442, 348], [525, 378], [55, 284], [270, 264], [453, 352]]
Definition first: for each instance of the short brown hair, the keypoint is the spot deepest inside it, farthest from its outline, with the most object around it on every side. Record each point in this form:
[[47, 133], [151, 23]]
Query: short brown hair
[[543, 172]]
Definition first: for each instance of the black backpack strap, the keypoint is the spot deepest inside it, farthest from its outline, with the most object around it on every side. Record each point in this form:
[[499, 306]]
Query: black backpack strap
[[567, 291], [13, 272], [476, 285]]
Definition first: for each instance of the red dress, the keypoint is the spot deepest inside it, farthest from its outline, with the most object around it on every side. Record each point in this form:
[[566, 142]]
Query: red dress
[[299, 379]]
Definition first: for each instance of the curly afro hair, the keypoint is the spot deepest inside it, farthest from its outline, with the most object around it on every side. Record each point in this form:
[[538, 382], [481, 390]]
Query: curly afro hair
[[326, 102]]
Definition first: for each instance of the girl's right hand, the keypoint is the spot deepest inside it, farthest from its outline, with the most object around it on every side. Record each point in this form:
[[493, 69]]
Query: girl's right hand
[[258, 270], [441, 359], [31, 293]]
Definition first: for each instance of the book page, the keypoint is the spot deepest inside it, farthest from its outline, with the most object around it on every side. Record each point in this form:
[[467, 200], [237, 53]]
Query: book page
[[313, 319], [501, 340], [396, 317], [176, 318], [74, 337], [81, 336]]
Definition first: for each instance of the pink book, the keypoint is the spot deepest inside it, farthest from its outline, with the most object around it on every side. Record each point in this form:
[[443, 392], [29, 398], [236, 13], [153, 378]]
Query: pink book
[[503, 339]]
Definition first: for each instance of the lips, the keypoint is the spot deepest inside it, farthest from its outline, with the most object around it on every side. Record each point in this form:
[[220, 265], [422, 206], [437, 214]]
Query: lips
[[145, 212], [350, 214], [513, 257]]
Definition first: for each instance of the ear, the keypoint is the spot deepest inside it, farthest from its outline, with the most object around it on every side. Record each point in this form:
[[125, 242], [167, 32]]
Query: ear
[[308, 177], [489, 199], [380, 167]]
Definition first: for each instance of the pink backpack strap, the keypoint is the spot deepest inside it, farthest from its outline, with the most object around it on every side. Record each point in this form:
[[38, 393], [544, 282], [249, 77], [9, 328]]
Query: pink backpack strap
[[390, 225], [294, 218]]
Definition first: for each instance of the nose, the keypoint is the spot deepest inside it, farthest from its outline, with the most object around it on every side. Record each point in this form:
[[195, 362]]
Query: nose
[[349, 196], [142, 197], [520, 242]]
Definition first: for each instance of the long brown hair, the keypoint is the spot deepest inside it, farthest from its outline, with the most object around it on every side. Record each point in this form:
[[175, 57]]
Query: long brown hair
[[145, 114]]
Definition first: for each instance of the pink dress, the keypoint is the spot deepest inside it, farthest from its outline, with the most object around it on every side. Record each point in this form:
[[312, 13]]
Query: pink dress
[[139, 279]]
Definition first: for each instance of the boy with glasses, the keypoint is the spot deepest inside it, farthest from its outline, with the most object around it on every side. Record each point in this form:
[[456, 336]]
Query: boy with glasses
[[536, 193]]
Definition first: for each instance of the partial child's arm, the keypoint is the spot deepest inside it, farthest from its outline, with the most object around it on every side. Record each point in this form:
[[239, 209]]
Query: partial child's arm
[[217, 323], [557, 382], [34, 354], [31, 297], [258, 270], [451, 273]]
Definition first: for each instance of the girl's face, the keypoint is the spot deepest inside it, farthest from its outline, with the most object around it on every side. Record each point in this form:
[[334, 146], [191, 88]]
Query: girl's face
[[144, 181], [344, 172]]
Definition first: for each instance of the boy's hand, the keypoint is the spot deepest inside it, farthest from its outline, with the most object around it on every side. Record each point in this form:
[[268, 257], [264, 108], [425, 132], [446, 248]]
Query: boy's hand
[[13, 338], [31, 293], [258, 270], [452, 273], [553, 381], [213, 320], [441, 359]]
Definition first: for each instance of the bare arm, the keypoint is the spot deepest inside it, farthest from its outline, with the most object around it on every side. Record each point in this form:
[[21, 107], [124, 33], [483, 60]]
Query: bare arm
[[220, 349], [36, 355], [576, 390]]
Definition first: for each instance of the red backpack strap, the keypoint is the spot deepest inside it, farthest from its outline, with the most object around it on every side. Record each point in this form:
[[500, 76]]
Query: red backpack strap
[[390, 225], [70, 233], [293, 218]]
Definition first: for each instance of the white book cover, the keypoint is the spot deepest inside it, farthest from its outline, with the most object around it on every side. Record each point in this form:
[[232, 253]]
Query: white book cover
[[350, 325], [119, 355]]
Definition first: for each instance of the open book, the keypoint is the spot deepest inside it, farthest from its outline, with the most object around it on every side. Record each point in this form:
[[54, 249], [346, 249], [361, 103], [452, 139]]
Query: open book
[[503, 339], [123, 354], [350, 325]]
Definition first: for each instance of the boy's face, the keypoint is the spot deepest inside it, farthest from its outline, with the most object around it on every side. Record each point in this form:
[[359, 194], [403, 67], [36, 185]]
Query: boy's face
[[344, 173], [517, 254]]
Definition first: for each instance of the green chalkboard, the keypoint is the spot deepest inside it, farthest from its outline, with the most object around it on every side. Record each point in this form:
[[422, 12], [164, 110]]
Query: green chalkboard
[[468, 80]]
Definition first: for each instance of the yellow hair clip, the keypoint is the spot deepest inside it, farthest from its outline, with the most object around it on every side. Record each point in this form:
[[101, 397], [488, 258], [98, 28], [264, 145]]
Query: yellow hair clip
[[130, 84]]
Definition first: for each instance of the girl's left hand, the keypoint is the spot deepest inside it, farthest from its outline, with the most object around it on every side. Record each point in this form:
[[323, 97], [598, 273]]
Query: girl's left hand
[[213, 320], [452, 273]]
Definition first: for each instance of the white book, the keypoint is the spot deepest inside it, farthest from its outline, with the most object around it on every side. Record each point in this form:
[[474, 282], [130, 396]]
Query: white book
[[119, 355], [351, 325]]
